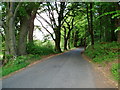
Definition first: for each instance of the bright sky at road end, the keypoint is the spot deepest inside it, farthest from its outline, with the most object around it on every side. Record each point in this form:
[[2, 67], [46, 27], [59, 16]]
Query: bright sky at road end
[[60, 0]]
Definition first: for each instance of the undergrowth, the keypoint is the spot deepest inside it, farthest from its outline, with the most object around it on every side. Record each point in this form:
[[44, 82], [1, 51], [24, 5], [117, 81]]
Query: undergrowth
[[116, 71], [35, 52], [103, 53]]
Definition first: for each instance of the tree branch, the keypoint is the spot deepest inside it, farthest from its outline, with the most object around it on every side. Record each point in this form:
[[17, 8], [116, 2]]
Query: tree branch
[[45, 20], [15, 12], [46, 29]]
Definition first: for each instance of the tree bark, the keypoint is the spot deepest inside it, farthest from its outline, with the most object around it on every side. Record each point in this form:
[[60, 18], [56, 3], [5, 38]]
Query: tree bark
[[57, 40], [24, 25], [118, 23], [76, 39], [65, 44], [10, 31], [90, 21], [91, 24], [31, 26]]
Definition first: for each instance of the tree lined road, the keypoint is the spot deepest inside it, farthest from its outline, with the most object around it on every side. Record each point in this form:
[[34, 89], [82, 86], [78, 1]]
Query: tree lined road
[[68, 70]]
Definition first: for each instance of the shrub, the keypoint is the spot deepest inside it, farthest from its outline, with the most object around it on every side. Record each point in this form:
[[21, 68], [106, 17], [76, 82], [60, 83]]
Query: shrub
[[40, 50], [116, 71], [103, 52]]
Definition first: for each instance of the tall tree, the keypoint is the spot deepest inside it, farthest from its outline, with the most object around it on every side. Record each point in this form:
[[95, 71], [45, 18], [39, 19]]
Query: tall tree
[[51, 9], [26, 25], [90, 20], [10, 28]]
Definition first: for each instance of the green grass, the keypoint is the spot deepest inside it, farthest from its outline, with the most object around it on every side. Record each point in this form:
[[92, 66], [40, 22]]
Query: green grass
[[103, 53], [35, 52], [115, 71], [18, 63]]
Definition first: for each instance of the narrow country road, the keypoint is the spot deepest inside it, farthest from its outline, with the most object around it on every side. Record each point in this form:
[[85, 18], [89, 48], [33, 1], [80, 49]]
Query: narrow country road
[[68, 70]]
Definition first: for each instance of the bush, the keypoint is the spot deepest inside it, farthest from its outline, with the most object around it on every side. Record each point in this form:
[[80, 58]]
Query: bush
[[44, 49], [103, 52], [115, 71]]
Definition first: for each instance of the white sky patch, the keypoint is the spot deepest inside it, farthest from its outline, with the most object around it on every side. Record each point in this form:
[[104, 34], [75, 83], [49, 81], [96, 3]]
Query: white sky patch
[[37, 33]]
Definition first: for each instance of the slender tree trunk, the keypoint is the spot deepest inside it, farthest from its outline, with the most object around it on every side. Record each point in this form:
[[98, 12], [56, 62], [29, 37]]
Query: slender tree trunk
[[69, 43], [65, 43], [100, 21], [31, 25], [76, 39], [117, 23], [91, 24]]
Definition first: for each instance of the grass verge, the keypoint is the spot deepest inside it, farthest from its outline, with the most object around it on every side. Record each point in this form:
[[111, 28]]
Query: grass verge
[[106, 53]]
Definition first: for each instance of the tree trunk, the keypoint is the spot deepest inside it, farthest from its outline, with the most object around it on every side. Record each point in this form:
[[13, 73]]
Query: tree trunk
[[65, 44], [118, 36], [58, 31], [31, 25], [57, 41], [76, 39], [10, 31], [91, 24], [31, 29], [23, 35], [69, 44], [118, 23]]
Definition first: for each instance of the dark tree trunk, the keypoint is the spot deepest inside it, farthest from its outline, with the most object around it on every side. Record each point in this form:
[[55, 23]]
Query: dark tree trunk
[[69, 44], [57, 41], [90, 21], [65, 43], [58, 31], [91, 24], [113, 27], [31, 25], [76, 39], [117, 23], [118, 38], [31, 29], [65, 39], [100, 21]]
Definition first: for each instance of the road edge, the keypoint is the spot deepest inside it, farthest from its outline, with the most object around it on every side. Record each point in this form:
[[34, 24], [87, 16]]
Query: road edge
[[96, 67], [34, 63]]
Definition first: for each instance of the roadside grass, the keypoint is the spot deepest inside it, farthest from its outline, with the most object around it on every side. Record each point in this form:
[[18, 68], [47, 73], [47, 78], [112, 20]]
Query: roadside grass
[[35, 53], [104, 53], [18, 63], [115, 71]]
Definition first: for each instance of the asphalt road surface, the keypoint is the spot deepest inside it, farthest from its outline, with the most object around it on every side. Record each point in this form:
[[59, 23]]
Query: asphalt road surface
[[68, 70]]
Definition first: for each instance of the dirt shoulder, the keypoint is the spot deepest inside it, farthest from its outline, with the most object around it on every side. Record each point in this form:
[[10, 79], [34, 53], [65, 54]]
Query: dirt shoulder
[[102, 73]]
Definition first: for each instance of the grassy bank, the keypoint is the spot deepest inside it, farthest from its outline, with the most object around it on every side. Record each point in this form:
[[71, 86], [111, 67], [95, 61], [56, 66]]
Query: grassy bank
[[104, 53], [35, 52]]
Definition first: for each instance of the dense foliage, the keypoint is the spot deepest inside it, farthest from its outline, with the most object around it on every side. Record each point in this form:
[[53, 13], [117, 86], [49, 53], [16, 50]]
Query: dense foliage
[[104, 53], [115, 71], [40, 48]]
